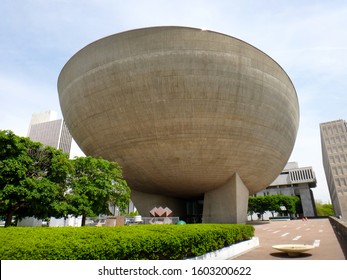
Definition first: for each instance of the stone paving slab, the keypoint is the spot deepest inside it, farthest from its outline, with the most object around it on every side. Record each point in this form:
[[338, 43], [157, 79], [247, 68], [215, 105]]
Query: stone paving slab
[[313, 231]]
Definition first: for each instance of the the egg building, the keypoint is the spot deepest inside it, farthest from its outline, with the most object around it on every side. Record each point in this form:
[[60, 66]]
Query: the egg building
[[197, 119]]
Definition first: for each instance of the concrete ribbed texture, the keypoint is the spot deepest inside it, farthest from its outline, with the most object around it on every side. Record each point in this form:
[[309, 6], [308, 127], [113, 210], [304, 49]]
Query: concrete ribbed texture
[[181, 109]]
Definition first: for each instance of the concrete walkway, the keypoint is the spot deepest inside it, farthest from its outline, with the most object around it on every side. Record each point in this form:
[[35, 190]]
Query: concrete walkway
[[316, 231]]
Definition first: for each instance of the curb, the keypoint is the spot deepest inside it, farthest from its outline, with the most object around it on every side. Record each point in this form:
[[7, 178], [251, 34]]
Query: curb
[[231, 251]]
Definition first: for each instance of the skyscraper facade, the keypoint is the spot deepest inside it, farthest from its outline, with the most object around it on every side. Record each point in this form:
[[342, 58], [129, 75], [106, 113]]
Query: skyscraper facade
[[334, 154], [47, 129]]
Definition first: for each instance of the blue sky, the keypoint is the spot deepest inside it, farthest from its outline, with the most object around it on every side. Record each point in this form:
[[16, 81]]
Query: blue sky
[[307, 38]]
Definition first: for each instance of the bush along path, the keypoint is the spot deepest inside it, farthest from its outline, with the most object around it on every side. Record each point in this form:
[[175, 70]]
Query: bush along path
[[143, 242]]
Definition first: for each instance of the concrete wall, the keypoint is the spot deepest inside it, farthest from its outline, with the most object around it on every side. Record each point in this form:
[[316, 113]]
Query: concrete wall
[[334, 153], [29, 222], [340, 228]]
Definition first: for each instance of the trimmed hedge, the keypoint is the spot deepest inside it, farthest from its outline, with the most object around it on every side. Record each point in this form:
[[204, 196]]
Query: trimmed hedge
[[143, 242]]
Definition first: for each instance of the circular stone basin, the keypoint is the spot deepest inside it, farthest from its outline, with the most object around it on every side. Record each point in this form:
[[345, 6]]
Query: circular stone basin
[[293, 250]]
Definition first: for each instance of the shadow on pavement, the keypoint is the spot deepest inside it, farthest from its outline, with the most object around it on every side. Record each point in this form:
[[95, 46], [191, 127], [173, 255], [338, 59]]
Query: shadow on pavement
[[285, 255]]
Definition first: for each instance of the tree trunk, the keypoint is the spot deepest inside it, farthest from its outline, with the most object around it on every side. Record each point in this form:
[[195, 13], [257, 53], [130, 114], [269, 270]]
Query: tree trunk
[[83, 223], [8, 221]]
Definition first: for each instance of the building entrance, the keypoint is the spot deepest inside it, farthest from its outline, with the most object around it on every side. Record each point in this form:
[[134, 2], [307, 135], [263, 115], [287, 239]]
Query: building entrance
[[194, 210]]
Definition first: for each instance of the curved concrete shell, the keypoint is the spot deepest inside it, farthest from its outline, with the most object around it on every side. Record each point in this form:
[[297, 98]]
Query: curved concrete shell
[[182, 110]]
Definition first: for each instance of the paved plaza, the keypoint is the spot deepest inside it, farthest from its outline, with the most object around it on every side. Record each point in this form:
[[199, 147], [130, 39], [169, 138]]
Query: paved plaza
[[317, 232]]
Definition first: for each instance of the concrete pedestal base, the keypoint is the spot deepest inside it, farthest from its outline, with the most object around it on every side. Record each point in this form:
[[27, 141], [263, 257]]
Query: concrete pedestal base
[[227, 204]]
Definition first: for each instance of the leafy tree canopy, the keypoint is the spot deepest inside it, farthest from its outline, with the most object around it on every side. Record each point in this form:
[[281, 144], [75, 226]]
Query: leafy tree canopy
[[32, 178], [40, 181], [324, 209], [94, 184], [273, 203]]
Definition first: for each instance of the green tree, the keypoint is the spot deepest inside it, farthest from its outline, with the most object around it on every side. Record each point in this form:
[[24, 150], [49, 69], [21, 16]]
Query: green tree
[[291, 204], [93, 185], [32, 178], [251, 206], [272, 203], [258, 204], [324, 209]]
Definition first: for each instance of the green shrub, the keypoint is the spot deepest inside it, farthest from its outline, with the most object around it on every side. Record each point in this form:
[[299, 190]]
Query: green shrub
[[119, 243]]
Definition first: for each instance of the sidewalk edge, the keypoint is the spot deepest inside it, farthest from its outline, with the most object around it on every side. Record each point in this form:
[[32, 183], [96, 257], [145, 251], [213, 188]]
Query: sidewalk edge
[[231, 251]]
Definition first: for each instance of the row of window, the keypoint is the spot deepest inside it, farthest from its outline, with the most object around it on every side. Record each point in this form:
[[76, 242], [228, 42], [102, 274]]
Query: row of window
[[338, 139], [335, 127], [338, 158], [342, 148], [341, 181], [301, 175], [65, 139], [339, 170]]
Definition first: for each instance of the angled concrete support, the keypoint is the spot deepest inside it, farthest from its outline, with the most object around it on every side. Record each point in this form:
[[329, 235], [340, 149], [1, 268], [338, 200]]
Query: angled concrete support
[[227, 204]]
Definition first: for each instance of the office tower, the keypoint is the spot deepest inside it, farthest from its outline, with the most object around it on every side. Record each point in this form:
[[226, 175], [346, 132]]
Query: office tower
[[47, 129], [295, 181], [334, 151]]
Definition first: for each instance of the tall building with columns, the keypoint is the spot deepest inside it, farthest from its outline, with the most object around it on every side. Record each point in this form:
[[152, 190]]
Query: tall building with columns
[[334, 154], [47, 129]]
